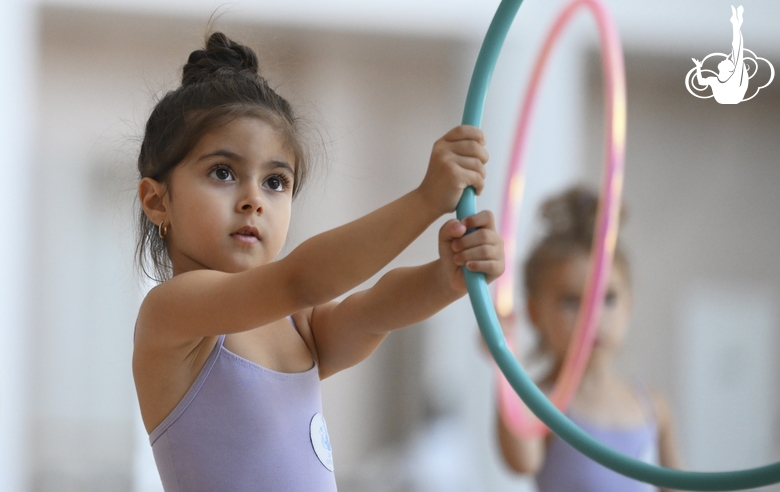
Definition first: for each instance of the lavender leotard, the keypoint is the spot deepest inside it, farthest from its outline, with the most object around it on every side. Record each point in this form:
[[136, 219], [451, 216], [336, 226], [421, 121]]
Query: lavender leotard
[[242, 427], [567, 470]]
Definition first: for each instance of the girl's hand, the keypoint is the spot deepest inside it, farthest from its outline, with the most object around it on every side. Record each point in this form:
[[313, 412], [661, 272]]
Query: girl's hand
[[457, 161], [479, 251]]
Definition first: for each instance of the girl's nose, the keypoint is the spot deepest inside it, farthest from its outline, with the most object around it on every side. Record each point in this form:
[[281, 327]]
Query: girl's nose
[[251, 201]]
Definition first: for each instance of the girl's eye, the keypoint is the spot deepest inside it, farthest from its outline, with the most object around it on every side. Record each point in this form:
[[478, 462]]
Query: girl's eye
[[277, 183], [610, 299], [221, 174], [570, 303]]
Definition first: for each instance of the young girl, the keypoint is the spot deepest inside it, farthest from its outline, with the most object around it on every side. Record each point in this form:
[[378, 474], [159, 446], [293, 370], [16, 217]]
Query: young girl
[[231, 346], [623, 415]]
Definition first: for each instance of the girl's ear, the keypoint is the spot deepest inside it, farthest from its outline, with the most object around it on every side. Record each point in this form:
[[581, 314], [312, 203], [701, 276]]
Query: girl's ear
[[532, 309], [151, 194]]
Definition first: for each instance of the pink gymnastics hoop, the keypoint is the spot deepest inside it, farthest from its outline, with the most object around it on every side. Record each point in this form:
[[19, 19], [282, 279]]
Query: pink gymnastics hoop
[[516, 416]]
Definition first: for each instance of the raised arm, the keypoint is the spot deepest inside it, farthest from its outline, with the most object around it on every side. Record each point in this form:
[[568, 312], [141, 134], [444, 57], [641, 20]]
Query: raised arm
[[346, 333], [524, 455], [521, 455], [207, 302]]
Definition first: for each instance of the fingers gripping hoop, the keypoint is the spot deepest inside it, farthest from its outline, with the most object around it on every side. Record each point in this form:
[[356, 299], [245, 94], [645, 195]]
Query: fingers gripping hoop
[[488, 321], [516, 416]]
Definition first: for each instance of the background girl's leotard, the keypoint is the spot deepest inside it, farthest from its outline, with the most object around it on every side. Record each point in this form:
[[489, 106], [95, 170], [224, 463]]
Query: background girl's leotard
[[242, 427], [567, 470]]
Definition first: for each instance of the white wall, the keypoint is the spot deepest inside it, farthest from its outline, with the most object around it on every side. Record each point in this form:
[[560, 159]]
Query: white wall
[[83, 404], [18, 236], [663, 25]]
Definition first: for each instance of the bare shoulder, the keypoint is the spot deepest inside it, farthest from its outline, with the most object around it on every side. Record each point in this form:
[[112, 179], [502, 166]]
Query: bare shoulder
[[661, 405], [174, 293], [207, 303], [667, 442], [162, 370], [179, 286]]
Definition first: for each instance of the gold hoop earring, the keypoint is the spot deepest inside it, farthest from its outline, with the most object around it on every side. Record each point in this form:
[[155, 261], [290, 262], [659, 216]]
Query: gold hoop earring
[[162, 231]]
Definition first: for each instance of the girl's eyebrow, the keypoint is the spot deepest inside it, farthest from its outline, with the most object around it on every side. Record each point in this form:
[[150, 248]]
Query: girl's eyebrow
[[221, 153], [282, 164], [236, 157]]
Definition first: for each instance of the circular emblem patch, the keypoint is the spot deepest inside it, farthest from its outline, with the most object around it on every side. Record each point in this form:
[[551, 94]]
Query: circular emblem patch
[[320, 440]]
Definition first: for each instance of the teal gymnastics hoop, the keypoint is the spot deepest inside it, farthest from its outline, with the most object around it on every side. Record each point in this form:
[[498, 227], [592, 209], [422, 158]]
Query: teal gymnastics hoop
[[517, 377]]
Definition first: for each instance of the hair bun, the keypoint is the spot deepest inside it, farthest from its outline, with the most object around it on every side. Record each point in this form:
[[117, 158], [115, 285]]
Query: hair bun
[[222, 56], [573, 213]]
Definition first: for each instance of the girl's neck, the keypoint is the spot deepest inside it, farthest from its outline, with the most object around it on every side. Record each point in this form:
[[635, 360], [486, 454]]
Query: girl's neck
[[599, 373]]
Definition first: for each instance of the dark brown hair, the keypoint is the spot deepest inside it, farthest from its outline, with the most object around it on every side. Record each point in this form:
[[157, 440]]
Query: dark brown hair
[[219, 84], [570, 220]]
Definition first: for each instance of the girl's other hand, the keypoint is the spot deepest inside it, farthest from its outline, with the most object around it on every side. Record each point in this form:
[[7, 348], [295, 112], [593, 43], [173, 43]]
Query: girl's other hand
[[479, 251], [457, 161]]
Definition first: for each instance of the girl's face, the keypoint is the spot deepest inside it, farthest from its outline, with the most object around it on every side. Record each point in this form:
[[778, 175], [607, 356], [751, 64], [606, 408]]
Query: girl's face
[[228, 202], [553, 309]]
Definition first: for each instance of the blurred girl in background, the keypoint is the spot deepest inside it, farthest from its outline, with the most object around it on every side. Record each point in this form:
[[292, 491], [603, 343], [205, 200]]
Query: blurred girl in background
[[625, 415]]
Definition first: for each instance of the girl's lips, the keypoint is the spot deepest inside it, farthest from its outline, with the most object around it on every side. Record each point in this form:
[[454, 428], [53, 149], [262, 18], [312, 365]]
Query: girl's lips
[[245, 238], [247, 234]]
